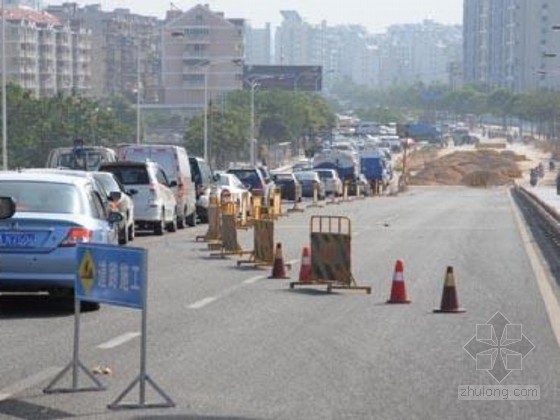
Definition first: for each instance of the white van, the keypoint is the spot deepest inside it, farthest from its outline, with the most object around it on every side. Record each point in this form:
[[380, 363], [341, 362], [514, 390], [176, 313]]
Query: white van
[[175, 162]]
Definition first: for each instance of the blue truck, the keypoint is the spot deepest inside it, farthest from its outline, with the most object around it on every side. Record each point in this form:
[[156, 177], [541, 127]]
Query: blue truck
[[421, 131], [375, 167]]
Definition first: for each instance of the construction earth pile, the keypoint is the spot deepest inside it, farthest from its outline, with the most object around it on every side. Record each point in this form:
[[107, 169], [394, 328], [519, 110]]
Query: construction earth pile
[[478, 168]]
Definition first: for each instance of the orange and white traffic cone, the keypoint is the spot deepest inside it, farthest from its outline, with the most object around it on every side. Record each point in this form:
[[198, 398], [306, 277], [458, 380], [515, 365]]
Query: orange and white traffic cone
[[278, 268], [305, 268], [398, 289], [449, 298]]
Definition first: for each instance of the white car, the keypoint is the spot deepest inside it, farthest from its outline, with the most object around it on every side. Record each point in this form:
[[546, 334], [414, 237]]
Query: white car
[[155, 207], [333, 183], [121, 201], [227, 187]]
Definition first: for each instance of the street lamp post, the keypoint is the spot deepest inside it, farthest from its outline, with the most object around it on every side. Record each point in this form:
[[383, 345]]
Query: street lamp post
[[252, 140], [138, 81], [4, 94]]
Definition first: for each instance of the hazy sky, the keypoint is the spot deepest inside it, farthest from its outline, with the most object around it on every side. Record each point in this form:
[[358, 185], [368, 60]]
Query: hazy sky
[[375, 15]]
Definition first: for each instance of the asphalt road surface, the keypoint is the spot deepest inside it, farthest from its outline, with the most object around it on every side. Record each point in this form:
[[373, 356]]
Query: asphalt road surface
[[228, 343]]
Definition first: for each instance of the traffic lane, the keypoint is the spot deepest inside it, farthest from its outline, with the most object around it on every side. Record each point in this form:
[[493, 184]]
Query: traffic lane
[[473, 231]]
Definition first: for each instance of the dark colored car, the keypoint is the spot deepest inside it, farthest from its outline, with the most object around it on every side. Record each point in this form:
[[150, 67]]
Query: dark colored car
[[309, 182], [203, 179], [252, 178], [287, 183]]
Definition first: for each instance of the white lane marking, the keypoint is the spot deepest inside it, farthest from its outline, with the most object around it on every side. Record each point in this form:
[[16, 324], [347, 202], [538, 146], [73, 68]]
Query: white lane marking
[[202, 303], [253, 280], [27, 383], [293, 262], [538, 263], [117, 341]]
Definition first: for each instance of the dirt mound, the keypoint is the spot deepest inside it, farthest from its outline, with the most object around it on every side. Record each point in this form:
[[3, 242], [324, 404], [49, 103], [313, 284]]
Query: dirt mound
[[480, 168]]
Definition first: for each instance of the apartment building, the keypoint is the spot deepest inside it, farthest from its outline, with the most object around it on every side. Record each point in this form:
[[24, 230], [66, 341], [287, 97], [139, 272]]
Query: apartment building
[[258, 45], [42, 54], [202, 57], [512, 44], [125, 47]]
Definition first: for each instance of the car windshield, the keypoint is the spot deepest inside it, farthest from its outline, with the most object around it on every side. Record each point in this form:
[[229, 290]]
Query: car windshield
[[87, 159], [108, 182], [248, 177], [42, 197], [130, 175], [306, 176], [230, 181], [283, 177], [325, 174]]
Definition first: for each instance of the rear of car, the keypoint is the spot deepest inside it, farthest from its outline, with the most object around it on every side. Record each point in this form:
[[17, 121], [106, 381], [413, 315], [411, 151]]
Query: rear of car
[[154, 202], [310, 181], [287, 183], [252, 178], [333, 184], [175, 162], [53, 214]]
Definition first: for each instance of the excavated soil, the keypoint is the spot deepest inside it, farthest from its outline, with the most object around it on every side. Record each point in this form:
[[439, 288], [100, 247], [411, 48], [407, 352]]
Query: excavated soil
[[477, 168]]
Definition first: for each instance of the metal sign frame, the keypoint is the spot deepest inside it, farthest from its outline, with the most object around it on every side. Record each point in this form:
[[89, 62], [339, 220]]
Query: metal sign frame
[[89, 281]]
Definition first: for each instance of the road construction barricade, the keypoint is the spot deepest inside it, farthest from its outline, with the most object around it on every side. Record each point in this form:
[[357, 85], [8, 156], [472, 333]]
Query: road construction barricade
[[331, 254], [297, 200], [359, 194], [256, 209], [228, 244], [263, 244], [244, 211], [214, 221], [275, 208]]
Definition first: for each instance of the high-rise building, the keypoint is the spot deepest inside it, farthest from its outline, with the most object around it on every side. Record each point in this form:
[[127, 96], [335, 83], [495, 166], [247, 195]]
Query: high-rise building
[[512, 44], [202, 57], [258, 43], [44, 55], [125, 47]]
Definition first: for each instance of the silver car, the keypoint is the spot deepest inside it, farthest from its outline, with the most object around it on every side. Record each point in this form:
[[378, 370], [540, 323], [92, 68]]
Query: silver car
[[53, 214]]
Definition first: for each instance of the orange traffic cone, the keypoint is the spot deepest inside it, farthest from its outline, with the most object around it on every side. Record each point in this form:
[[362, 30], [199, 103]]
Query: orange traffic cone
[[398, 289], [305, 268], [279, 268], [449, 298]]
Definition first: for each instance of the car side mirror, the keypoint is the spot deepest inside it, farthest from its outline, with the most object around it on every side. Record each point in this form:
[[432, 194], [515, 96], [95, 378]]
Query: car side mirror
[[114, 217], [173, 184], [115, 196], [132, 191], [7, 207]]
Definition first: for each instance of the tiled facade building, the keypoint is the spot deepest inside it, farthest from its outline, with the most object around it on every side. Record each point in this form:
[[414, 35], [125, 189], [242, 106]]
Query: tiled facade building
[[44, 55]]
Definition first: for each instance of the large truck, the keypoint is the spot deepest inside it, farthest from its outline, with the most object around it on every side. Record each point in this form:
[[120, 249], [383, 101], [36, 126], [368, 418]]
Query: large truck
[[420, 131], [375, 167], [343, 162]]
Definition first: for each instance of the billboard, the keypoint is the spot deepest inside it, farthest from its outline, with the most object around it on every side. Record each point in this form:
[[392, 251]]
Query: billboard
[[303, 78]]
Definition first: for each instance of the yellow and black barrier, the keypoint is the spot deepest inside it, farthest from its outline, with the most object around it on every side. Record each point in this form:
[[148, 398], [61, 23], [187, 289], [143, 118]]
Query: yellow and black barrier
[[276, 203], [263, 243], [228, 244], [331, 240], [244, 212], [214, 218]]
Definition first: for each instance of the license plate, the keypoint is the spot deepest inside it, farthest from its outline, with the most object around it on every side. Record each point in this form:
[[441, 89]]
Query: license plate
[[17, 240]]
